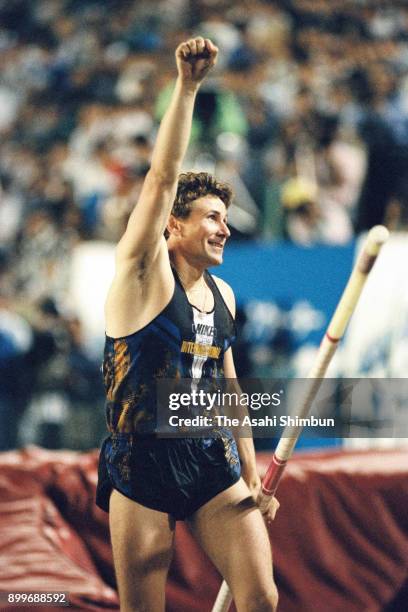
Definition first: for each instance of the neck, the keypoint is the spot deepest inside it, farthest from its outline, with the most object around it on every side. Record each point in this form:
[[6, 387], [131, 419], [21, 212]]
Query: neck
[[189, 273]]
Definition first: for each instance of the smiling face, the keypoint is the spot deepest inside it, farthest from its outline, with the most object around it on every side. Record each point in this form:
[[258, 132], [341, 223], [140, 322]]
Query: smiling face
[[202, 235]]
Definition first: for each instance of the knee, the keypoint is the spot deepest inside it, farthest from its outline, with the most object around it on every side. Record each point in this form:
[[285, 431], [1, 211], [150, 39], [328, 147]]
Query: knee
[[147, 561], [261, 601]]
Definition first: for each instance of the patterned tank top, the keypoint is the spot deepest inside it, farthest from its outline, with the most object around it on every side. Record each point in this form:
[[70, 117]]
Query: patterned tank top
[[180, 342]]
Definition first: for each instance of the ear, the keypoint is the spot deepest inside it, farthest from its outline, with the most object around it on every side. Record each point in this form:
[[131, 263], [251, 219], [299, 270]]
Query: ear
[[174, 226]]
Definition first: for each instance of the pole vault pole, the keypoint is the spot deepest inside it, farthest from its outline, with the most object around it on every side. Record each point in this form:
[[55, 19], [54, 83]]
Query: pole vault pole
[[377, 236]]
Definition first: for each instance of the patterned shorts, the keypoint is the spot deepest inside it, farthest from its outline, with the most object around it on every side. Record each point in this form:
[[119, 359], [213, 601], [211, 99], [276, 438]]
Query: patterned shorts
[[172, 475]]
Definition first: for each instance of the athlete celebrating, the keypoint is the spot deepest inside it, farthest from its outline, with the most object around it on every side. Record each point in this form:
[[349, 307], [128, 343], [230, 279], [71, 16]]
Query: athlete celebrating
[[167, 317]]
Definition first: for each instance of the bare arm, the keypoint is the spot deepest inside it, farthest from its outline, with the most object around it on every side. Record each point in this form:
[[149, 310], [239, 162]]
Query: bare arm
[[245, 445], [246, 449], [149, 218]]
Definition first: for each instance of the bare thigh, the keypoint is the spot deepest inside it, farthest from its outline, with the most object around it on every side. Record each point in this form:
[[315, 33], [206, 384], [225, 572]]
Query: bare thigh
[[142, 544], [232, 531]]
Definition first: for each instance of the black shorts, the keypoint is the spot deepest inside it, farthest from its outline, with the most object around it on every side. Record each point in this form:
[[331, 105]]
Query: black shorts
[[172, 475]]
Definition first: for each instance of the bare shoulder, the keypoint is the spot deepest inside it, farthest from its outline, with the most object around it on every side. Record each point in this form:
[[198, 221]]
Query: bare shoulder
[[226, 292], [138, 293]]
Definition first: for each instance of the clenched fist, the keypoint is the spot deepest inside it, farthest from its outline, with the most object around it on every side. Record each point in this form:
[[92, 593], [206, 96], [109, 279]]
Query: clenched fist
[[195, 58]]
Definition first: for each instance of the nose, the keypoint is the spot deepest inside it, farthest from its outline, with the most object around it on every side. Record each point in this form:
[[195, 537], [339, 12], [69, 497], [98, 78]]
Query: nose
[[224, 229]]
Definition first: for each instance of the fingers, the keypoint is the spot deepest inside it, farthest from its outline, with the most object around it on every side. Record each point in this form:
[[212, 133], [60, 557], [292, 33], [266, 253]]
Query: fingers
[[183, 51], [211, 48], [201, 47], [192, 45], [271, 510], [197, 47], [274, 507]]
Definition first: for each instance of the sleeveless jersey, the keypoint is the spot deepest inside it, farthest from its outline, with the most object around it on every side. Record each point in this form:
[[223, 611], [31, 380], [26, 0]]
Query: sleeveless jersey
[[180, 342]]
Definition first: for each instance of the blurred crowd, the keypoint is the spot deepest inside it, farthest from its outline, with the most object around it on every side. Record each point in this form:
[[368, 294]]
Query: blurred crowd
[[306, 115]]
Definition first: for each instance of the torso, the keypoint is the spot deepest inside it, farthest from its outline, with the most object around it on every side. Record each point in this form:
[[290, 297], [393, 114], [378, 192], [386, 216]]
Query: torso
[[181, 341]]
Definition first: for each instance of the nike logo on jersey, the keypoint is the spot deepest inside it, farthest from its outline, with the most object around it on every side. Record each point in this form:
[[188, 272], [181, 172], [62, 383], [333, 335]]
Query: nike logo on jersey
[[204, 330]]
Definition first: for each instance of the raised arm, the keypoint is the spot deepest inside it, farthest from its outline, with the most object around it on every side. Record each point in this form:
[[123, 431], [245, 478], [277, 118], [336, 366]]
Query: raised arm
[[149, 218]]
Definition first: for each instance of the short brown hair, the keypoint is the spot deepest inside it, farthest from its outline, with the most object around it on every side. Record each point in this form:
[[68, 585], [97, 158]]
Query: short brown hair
[[194, 185]]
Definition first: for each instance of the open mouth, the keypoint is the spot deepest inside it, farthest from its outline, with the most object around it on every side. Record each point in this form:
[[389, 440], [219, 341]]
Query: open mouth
[[216, 244]]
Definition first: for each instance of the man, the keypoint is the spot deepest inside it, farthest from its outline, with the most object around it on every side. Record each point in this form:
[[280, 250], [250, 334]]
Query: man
[[167, 317]]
